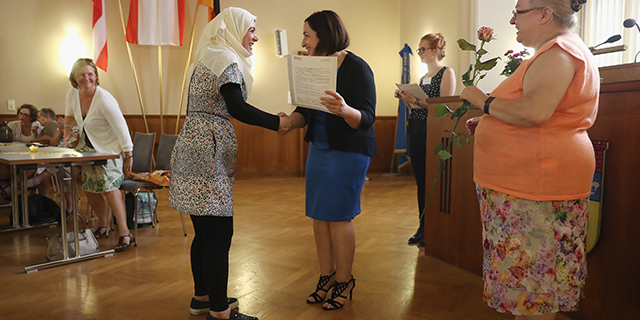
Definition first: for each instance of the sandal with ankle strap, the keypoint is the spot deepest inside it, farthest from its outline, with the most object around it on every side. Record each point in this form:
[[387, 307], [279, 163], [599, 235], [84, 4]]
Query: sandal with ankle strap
[[101, 231], [121, 246], [324, 280], [338, 289], [4, 185]]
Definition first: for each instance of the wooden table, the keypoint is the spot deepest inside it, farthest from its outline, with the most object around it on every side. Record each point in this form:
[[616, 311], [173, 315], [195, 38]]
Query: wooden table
[[20, 159]]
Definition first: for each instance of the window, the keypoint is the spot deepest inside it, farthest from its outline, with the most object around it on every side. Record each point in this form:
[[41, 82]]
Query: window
[[604, 18]]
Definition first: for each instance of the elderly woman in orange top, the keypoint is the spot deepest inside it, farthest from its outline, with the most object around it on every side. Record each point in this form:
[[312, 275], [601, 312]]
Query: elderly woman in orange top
[[533, 165]]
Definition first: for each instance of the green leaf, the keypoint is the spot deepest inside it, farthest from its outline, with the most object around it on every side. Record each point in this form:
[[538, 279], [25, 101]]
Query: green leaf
[[465, 137], [439, 148], [467, 75], [487, 65], [465, 45], [459, 112], [444, 155], [458, 143], [442, 110], [482, 52]]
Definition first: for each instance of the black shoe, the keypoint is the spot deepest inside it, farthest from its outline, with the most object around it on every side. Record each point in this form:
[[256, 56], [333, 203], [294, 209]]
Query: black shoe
[[323, 282], [338, 289], [416, 238], [201, 307], [233, 316]]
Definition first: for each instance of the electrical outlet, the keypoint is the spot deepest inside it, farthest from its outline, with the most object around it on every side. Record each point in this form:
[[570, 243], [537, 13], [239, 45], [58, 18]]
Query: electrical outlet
[[11, 105]]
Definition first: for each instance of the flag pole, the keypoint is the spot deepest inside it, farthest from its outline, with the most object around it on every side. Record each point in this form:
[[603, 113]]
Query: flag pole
[[186, 69], [133, 67], [160, 77]]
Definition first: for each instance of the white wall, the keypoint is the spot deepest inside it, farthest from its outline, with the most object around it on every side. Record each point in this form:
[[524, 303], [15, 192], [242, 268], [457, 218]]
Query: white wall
[[496, 14]]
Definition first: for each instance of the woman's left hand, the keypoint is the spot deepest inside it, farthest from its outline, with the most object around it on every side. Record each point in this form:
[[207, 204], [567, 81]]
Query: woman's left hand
[[335, 103], [127, 164]]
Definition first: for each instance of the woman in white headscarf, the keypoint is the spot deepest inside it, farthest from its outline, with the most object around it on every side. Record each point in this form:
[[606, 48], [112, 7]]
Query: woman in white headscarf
[[203, 162]]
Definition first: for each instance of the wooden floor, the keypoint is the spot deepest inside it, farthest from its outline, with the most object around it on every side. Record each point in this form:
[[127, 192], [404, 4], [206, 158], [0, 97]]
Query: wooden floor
[[273, 265]]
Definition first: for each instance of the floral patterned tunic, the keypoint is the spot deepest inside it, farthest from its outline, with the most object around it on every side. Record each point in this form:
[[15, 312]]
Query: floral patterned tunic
[[203, 162]]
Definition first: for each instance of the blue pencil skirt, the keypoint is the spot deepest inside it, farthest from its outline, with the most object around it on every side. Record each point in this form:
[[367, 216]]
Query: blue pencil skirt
[[334, 181]]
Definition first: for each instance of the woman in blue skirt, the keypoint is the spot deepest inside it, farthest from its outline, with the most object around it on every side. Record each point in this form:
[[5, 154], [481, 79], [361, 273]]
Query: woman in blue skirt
[[341, 145]]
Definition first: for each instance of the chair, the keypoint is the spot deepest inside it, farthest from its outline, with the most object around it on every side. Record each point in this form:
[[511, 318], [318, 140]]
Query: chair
[[143, 144], [163, 160]]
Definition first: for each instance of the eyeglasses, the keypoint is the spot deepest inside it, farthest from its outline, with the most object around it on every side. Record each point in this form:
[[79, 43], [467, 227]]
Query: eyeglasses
[[422, 49], [24, 114], [516, 13]]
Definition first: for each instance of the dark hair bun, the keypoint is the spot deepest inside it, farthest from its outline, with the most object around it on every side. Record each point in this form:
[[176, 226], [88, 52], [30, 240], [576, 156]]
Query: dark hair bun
[[576, 5]]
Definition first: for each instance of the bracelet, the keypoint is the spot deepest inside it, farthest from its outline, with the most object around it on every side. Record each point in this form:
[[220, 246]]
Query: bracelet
[[67, 126], [128, 157], [487, 103]]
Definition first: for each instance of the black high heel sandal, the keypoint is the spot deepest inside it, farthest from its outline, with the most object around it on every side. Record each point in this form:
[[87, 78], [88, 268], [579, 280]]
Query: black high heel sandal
[[100, 232], [338, 289], [4, 185], [121, 246], [324, 280]]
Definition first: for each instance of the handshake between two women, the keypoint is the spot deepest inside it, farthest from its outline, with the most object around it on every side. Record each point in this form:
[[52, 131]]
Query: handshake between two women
[[334, 102]]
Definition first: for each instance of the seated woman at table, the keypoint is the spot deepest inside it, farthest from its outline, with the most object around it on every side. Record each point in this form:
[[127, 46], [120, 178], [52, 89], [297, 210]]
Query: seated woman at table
[[21, 128], [48, 124], [23, 132], [102, 129]]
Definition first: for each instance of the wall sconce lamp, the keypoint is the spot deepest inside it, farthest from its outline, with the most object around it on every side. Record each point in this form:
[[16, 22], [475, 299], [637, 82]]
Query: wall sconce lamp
[[71, 48]]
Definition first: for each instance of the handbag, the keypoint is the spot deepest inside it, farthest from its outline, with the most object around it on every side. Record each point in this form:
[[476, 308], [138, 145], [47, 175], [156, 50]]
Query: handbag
[[87, 244], [6, 135]]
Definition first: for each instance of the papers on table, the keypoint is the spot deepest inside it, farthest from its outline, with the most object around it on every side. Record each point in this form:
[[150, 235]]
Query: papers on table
[[309, 77], [413, 89]]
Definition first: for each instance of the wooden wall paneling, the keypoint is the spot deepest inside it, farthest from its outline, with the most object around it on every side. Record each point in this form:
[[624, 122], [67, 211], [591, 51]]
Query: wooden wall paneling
[[264, 152], [454, 237]]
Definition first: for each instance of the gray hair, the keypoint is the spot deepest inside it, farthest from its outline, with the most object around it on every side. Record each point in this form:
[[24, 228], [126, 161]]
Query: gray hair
[[563, 10], [48, 112]]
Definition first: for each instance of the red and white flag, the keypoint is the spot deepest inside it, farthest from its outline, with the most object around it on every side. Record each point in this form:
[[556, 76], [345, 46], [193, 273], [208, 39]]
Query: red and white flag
[[100, 55], [156, 22]]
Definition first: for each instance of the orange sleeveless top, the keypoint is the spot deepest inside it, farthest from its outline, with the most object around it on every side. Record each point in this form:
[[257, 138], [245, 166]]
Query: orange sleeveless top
[[552, 161]]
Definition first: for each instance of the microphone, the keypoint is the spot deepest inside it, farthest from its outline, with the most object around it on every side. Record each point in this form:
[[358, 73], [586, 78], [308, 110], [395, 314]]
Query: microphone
[[611, 39], [629, 23]]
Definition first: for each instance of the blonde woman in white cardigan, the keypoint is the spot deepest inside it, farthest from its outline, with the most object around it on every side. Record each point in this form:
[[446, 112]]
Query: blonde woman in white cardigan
[[102, 129]]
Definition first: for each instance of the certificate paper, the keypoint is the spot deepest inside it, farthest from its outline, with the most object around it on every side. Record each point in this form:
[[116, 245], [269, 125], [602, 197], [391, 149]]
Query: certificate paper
[[309, 77]]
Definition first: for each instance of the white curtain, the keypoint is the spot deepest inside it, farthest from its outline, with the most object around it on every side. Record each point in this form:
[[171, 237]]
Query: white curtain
[[602, 19]]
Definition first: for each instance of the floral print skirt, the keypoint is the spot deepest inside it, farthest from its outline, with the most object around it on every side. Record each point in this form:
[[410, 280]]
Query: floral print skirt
[[534, 253], [99, 179]]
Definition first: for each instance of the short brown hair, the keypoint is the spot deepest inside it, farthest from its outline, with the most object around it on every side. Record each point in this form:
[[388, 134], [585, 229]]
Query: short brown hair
[[33, 111], [332, 34], [79, 64], [436, 40]]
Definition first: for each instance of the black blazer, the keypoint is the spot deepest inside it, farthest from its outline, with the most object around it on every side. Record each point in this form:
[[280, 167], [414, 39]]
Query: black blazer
[[356, 85]]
